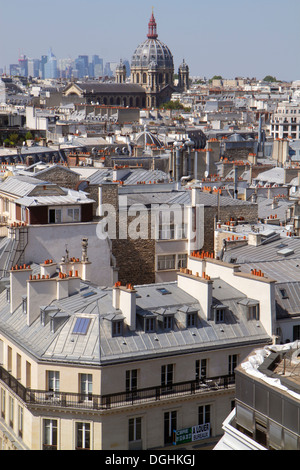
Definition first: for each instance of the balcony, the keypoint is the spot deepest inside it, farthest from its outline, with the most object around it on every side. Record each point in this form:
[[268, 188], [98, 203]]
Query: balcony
[[58, 399]]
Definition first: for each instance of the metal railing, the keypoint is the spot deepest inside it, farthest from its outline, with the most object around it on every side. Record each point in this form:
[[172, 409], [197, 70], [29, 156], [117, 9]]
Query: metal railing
[[114, 400]]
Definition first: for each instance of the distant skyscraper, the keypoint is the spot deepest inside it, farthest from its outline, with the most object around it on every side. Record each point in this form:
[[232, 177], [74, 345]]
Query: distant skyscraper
[[33, 67], [43, 61], [97, 64], [80, 65], [51, 66], [23, 65]]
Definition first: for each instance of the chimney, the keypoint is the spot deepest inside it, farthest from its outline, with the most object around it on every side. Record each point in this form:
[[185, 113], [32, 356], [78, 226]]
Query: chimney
[[48, 268], [124, 299], [254, 239], [19, 276], [39, 292], [198, 287]]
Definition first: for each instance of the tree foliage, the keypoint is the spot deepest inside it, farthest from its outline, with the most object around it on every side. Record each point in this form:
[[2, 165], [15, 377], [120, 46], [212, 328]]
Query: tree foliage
[[269, 78]]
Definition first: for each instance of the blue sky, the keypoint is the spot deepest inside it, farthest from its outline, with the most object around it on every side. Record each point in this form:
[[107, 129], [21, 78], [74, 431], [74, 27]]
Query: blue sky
[[230, 38]]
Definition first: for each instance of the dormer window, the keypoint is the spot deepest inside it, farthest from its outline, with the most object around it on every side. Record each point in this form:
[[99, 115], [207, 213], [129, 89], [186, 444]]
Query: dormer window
[[8, 294], [168, 322], [117, 328], [191, 319], [149, 324], [250, 308], [253, 312], [220, 315], [24, 303]]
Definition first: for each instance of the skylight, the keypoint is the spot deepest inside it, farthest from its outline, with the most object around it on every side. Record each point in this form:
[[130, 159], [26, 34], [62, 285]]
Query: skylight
[[81, 325], [163, 291]]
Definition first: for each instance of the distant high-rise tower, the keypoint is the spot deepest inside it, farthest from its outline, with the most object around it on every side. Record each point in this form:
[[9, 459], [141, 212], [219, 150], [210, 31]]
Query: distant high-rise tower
[[51, 66]]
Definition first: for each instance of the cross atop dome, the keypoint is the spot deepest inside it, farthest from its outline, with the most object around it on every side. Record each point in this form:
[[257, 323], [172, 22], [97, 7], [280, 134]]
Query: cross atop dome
[[152, 34]]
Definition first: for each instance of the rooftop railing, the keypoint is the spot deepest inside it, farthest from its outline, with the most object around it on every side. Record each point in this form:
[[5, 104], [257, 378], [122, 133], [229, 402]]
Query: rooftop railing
[[60, 399]]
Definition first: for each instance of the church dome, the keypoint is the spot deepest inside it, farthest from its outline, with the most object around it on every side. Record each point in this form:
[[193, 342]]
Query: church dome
[[152, 50]]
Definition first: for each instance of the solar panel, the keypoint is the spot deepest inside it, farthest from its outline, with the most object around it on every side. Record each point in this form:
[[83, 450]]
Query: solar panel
[[81, 325]]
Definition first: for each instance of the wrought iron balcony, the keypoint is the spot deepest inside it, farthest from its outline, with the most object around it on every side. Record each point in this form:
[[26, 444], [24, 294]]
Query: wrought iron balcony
[[59, 399]]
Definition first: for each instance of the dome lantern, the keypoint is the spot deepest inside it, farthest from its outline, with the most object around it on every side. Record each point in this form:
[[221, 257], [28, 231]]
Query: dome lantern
[[152, 34]]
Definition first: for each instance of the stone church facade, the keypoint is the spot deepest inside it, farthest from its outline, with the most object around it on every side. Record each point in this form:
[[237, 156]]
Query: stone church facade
[[151, 81]]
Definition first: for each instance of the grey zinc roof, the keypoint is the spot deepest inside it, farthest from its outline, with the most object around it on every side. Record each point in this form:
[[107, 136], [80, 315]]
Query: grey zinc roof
[[182, 197], [20, 185], [133, 176], [265, 252], [54, 200], [98, 346]]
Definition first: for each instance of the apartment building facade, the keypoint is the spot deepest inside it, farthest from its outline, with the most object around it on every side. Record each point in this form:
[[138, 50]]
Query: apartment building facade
[[84, 367], [285, 122]]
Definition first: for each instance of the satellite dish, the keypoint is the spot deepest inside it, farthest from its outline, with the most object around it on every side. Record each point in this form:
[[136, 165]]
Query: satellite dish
[[206, 174]]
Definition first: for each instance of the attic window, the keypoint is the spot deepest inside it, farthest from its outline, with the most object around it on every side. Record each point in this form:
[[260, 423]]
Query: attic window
[[24, 304], [88, 294], [253, 312], [168, 322], [191, 319], [149, 325], [283, 294], [117, 328], [220, 315], [81, 326], [163, 291]]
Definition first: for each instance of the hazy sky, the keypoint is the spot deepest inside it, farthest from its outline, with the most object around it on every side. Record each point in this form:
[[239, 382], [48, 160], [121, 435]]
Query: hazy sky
[[231, 38]]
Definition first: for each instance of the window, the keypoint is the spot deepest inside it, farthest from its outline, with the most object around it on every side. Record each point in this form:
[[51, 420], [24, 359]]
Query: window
[[11, 411], [73, 214], [166, 231], [86, 386], [170, 425], [296, 332], [283, 294], [19, 363], [204, 415], [191, 320], [28, 374], [20, 421], [24, 303], [163, 291], [117, 328], [201, 369], [219, 315], [131, 381], [52, 380], [168, 322], [165, 262], [49, 434], [83, 436], [81, 325], [253, 312], [149, 325], [134, 429], [167, 377], [3, 403], [182, 261], [9, 358], [54, 216], [232, 363]]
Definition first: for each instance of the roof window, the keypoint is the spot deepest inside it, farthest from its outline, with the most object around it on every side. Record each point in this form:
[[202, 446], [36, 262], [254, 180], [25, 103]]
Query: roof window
[[81, 326]]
